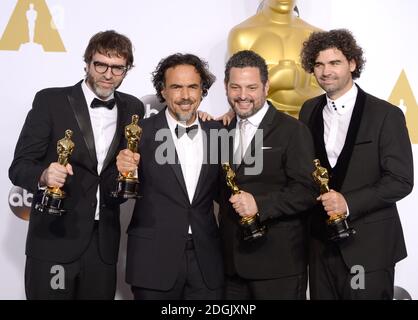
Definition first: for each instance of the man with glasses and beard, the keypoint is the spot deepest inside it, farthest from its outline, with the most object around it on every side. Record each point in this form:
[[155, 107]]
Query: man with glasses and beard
[[173, 242], [83, 244]]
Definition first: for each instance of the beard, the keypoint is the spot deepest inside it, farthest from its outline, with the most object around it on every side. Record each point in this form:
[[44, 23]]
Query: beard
[[102, 93], [185, 116], [244, 114]]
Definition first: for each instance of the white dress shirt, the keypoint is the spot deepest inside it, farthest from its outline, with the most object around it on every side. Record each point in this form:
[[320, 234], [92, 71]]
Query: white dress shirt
[[103, 122], [190, 154], [337, 117]]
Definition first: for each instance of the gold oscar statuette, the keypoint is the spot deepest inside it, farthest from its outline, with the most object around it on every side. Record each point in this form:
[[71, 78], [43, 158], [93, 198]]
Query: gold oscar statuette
[[337, 225], [52, 201], [277, 33], [127, 182], [251, 227]]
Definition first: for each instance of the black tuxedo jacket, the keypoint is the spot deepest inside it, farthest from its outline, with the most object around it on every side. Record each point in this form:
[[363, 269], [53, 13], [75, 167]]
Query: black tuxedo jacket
[[373, 171], [283, 191], [161, 218], [64, 238]]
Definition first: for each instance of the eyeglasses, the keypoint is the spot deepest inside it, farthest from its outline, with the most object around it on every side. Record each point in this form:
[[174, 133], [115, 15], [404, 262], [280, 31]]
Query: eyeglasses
[[101, 67]]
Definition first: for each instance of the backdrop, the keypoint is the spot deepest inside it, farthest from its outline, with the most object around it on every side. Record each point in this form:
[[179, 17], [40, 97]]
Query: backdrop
[[51, 55]]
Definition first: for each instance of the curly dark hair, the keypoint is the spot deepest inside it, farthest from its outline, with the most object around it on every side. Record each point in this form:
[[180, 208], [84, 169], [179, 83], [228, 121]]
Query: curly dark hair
[[201, 66], [342, 39], [247, 58], [110, 43]]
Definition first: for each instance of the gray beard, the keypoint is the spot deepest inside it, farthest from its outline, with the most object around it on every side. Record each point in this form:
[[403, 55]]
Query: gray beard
[[184, 117], [103, 94]]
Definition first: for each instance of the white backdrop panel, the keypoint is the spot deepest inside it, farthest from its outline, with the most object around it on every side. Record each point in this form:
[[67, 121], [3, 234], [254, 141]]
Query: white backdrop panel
[[384, 28]]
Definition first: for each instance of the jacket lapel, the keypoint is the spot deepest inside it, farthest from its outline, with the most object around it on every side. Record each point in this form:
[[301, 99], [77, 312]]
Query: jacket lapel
[[254, 147], [122, 121], [207, 142], [343, 161], [161, 123], [316, 124], [78, 104], [231, 142]]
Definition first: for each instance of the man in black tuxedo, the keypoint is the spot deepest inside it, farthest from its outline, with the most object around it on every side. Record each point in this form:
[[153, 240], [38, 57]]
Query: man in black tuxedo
[[274, 175], [74, 256], [363, 142], [173, 242]]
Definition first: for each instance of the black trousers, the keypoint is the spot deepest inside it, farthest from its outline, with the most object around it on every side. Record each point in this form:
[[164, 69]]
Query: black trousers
[[189, 285], [85, 278], [285, 288], [331, 279]]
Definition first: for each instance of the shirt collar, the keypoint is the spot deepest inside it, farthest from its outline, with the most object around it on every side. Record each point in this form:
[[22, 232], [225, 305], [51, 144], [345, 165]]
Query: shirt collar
[[256, 118], [90, 95], [343, 104], [172, 122]]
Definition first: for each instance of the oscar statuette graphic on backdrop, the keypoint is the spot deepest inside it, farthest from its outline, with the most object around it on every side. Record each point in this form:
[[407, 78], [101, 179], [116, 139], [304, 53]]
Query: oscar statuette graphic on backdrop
[[32, 28]]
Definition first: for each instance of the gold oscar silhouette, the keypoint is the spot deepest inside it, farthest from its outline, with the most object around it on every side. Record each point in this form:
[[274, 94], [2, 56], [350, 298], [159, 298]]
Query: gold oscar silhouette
[[127, 183], [337, 225], [52, 200], [33, 28], [277, 34], [251, 227], [31, 16]]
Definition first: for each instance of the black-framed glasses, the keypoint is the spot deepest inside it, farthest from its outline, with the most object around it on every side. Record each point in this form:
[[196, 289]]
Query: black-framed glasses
[[101, 67]]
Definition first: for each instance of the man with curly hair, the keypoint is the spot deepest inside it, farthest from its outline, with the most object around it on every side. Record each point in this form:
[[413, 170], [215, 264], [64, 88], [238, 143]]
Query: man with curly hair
[[173, 243], [363, 142]]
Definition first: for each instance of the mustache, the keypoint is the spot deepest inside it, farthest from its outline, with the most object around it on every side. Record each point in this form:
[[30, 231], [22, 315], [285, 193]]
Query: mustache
[[184, 101], [326, 77], [244, 100], [106, 80]]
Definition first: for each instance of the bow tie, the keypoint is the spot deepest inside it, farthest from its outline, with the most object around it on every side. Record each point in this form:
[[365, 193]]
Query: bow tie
[[191, 131], [96, 103]]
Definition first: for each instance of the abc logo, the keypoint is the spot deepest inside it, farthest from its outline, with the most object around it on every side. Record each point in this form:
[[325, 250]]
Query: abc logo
[[20, 201], [152, 105]]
